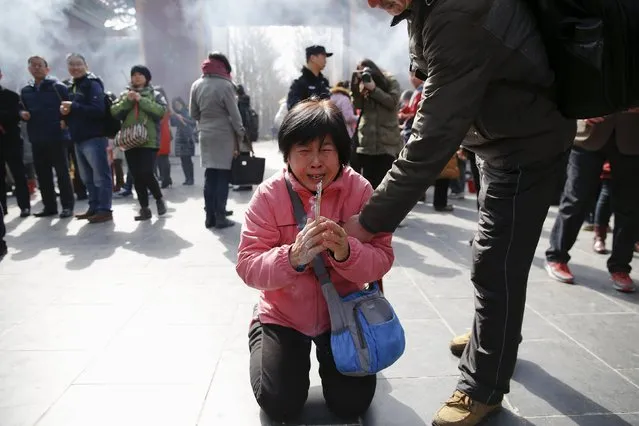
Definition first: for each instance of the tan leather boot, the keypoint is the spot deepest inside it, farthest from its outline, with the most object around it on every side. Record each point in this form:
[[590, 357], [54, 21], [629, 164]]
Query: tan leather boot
[[459, 343], [461, 410]]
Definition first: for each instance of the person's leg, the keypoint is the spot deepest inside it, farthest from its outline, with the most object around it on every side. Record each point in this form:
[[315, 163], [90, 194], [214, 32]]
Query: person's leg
[[584, 169], [223, 180], [78, 185], [119, 174], [602, 217], [474, 170], [187, 168], [3, 232], [3, 179], [96, 154], [381, 164], [82, 154], [164, 167], [625, 206], [440, 198], [279, 366], [60, 158], [135, 160], [44, 172], [14, 159], [513, 206], [210, 187], [348, 397]]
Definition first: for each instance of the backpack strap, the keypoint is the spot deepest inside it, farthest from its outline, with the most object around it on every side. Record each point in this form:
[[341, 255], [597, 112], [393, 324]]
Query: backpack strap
[[300, 216]]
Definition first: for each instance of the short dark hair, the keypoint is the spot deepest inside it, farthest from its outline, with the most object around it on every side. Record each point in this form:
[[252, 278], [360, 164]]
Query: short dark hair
[[314, 119], [76, 55], [218, 56], [32, 58]]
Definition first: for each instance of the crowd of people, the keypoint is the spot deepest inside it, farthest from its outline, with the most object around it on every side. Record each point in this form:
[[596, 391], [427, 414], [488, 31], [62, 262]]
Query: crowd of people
[[371, 153]]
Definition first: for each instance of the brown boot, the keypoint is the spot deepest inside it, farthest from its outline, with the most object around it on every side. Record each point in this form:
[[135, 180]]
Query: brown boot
[[461, 410], [101, 217], [599, 246], [459, 343]]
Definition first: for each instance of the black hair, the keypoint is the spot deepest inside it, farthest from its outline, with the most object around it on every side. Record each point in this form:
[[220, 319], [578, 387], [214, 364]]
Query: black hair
[[314, 119], [344, 84], [240, 90], [218, 56], [378, 75], [31, 59]]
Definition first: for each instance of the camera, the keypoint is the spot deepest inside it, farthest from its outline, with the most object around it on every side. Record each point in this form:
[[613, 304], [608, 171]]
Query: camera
[[367, 76]]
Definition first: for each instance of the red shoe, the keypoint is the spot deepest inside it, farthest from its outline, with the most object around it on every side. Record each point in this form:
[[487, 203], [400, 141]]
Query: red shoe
[[622, 282], [560, 272]]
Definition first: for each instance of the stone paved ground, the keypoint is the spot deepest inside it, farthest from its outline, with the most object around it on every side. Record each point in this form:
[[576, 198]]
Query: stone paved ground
[[145, 324]]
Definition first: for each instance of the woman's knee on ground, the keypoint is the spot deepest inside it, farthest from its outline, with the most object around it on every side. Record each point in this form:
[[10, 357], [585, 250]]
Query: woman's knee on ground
[[351, 401], [280, 405]]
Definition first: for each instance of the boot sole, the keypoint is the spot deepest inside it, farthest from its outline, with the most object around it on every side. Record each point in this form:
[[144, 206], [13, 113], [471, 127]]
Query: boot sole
[[556, 278]]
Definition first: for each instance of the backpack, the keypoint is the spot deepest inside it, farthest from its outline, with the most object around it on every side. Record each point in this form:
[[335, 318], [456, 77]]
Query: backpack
[[110, 124], [593, 48]]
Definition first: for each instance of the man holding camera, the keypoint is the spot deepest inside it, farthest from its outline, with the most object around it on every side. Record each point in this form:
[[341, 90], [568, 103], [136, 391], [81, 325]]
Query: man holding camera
[[484, 65], [312, 82]]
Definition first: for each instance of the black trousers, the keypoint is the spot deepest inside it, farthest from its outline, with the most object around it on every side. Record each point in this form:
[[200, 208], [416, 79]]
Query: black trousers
[[164, 169], [513, 206], [216, 193], [279, 369], [187, 168], [583, 179], [375, 167], [141, 162], [474, 170], [440, 198], [46, 157], [3, 229], [12, 154]]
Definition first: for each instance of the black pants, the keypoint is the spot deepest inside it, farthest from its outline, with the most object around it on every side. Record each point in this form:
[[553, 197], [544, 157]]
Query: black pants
[[583, 179], [46, 157], [141, 162], [375, 167], [279, 369], [12, 153], [440, 199], [164, 169], [78, 185], [118, 174], [216, 192], [474, 170], [187, 168], [603, 210], [3, 229], [513, 206]]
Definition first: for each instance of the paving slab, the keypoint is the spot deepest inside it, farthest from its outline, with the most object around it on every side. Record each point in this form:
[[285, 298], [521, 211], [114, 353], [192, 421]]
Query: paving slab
[[133, 323]]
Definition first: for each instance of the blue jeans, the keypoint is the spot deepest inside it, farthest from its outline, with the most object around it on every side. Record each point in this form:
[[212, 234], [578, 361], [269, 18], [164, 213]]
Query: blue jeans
[[96, 173], [216, 192]]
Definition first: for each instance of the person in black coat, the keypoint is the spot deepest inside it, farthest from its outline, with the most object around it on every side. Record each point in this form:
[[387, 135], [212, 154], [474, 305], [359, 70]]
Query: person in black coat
[[12, 151], [312, 82]]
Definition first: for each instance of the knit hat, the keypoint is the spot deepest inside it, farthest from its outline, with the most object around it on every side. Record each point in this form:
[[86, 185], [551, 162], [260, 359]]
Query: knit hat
[[142, 70]]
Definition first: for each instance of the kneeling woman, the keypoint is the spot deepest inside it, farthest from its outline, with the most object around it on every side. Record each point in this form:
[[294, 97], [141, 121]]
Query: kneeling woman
[[274, 258]]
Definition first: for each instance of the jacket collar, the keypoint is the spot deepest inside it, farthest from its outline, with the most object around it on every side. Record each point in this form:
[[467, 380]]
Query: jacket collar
[[306, 72], [47, 80]]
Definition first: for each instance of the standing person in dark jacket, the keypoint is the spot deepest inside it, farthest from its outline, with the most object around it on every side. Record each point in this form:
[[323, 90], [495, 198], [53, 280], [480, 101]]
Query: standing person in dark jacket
[[185, 138], [84, 114], [41, 100], [12, 151], [78, 186], [484, 64], [312, 82]]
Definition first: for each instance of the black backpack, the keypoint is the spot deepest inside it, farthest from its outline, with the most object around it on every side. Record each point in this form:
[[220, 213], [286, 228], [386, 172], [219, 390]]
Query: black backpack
[[593, 47], [111, 125]]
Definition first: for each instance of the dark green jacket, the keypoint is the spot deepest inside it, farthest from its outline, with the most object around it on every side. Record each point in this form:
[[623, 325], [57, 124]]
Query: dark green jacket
[[151, 108], [378, 129]]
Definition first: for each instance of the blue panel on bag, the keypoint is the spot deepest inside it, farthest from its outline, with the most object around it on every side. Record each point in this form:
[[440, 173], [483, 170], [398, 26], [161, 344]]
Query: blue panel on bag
[[386, 342], [344, 352], [373, 289]]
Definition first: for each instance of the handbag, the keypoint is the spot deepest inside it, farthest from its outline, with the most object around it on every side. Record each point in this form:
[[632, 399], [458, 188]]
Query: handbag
[[247, 170], [451, 170], [366, 335], [132, 136]]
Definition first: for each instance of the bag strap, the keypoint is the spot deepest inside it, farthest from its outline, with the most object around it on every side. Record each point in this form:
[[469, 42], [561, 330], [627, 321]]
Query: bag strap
[[300, 216]]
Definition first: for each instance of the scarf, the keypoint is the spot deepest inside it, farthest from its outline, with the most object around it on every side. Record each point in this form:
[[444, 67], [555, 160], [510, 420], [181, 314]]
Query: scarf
[[215, 67]]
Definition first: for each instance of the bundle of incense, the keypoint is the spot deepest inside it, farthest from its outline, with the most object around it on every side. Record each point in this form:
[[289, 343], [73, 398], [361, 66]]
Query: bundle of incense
[[318, 200]]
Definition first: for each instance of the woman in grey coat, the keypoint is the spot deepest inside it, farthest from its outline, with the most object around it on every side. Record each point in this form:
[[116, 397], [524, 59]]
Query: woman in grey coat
[[213, 105]]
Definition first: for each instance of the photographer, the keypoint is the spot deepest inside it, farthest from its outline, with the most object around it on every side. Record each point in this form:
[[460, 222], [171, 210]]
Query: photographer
[[376, 94]]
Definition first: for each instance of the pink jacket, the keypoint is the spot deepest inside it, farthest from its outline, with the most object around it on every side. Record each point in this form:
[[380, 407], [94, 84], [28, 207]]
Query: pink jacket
[[294, 299], [342, 100]]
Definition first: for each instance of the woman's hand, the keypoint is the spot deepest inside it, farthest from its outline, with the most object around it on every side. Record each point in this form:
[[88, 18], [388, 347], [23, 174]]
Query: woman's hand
[[133, 95], [308, 243], [370, 86], [336, 240]]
